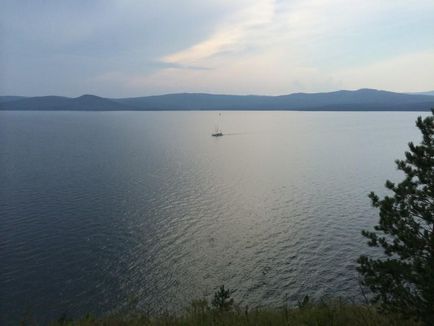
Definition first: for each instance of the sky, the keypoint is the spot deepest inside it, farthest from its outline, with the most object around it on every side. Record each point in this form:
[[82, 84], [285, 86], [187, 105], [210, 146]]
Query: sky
[[123, 48]]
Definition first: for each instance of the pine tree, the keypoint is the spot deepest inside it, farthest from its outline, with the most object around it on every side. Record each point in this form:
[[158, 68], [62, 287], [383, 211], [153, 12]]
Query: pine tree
[[403, 281], [222, 299]]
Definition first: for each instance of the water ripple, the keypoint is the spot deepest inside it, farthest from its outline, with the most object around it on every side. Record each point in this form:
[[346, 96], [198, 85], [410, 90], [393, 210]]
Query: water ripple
[[105, 208]]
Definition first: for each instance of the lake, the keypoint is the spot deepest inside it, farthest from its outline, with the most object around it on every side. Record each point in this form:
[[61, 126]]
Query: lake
[[102, 211]]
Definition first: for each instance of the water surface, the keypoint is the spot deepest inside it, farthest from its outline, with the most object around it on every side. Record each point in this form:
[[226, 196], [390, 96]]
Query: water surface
[[100, 210]]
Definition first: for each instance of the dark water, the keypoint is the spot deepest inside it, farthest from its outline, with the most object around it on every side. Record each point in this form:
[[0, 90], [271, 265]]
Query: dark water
[[101, 210]]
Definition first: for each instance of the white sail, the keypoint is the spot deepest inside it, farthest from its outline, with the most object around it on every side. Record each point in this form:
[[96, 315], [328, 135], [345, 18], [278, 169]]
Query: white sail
[[218, 130]]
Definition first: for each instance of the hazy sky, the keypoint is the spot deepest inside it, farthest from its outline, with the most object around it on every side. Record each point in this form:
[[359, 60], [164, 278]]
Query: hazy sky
[[119, 48]]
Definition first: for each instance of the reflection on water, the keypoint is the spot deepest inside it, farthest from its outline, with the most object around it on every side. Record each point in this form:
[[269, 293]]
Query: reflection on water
[[98, 209]]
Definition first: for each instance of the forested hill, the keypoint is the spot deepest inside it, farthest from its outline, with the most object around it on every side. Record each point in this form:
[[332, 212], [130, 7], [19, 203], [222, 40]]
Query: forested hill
[[359, 100]]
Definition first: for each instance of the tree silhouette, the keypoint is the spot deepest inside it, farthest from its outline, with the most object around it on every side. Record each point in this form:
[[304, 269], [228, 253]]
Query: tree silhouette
[[403, 281], [222, 300]]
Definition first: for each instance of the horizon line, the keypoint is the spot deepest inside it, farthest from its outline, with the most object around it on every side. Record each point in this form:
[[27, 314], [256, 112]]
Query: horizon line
[[227, 94]]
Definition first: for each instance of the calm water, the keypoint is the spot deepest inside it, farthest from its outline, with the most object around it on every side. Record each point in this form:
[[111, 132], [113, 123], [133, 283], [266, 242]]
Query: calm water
[[100, 210]]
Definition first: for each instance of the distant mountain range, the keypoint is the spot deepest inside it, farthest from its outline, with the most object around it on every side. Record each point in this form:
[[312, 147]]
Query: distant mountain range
[[359, 100]]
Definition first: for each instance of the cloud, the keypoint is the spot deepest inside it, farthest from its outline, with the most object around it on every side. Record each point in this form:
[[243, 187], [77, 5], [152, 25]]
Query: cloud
[[404, 73], [174, 65], [259, 73], [230, 35], [311, 45], [135, 47], [49, 45]]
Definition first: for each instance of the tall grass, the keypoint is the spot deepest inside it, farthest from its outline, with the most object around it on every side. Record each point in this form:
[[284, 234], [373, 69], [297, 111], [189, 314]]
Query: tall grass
[[199, 313]]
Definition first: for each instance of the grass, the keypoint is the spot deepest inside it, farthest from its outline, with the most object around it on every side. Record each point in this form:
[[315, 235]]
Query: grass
[[333, 313]]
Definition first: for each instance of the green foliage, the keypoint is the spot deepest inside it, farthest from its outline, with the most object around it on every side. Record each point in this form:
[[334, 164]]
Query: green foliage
[[222, 300], [403, 281], [333, 313]]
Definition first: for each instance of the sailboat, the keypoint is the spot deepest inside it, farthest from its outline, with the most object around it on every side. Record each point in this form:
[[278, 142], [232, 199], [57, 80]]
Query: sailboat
[[217, 132]]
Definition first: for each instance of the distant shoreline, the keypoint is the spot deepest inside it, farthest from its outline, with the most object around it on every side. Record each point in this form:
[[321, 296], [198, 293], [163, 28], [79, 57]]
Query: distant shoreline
[[211, 110], [359, 100]]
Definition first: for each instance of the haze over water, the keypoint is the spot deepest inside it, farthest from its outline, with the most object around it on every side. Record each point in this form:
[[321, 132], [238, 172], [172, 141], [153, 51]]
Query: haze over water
[[98, 210]]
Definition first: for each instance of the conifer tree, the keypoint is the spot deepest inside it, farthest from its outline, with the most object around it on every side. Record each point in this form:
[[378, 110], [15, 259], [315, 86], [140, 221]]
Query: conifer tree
[[403, 281]]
